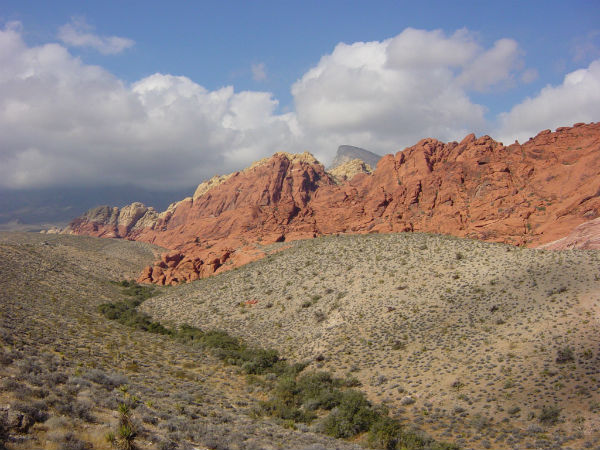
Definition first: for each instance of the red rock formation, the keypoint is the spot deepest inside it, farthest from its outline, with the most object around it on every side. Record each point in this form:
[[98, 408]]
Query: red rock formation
[[527, 194], [585, 236]]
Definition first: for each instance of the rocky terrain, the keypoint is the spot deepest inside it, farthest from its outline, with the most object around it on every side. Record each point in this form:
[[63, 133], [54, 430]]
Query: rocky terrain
[[524, 194]]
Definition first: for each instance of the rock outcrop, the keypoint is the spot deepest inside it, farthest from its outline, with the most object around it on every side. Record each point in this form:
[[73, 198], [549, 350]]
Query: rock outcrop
[[528, 194], [348, 170], [346, 153], [586, 236]]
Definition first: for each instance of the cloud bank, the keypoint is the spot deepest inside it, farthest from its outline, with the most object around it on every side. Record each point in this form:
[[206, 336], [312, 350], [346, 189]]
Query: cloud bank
[[63, 122]]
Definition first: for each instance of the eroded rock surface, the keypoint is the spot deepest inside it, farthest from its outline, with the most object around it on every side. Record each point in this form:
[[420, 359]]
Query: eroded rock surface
[[524, 194]]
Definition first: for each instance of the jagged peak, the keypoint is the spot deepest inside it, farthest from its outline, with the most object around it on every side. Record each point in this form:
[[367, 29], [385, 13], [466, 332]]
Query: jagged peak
[[215, 181]]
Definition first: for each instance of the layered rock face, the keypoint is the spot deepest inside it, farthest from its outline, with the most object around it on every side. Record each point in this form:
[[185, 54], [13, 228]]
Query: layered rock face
[[527, 194]]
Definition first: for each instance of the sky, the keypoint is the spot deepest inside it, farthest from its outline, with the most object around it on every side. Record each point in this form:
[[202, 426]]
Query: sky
[[164, 95]]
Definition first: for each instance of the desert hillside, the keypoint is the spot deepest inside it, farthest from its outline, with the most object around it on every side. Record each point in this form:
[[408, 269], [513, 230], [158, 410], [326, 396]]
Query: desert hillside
[[68, 375], [470, 343], [524, 194], [478, 343]]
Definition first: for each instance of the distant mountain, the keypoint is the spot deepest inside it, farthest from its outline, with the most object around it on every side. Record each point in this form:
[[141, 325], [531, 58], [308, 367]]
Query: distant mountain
[[346, 153], [28, 209], [524, 194]]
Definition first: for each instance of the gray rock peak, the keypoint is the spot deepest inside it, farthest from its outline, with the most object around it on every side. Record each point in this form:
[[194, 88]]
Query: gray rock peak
[[347, 153]]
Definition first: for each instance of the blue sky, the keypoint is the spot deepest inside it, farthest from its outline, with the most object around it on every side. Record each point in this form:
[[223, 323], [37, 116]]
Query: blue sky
[[512, 51], [216, 43]]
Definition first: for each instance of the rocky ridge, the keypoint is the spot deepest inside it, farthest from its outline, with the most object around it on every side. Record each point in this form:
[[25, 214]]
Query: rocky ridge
[[524, 194]]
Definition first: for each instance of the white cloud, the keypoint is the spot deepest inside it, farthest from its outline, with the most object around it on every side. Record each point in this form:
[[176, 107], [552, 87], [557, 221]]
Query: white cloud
[[491, 67], [259, 72], [78, 33], [389, 94], [577, 99], [421, 49], [65, 122]]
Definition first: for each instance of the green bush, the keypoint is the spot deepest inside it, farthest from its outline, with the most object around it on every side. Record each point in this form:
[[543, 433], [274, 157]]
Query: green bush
[[126, 313], [385, 433], [354, 415]]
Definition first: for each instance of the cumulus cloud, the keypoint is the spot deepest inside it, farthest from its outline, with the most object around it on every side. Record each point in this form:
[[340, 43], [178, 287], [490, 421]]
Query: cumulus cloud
[[64, 122], [577, 99], [389, 94], [78, 33], [259, 72], [491, 67]]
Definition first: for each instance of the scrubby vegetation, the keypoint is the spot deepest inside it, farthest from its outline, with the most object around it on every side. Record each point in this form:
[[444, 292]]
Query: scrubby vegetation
[[450, 334], [405, 339], [296, 397]]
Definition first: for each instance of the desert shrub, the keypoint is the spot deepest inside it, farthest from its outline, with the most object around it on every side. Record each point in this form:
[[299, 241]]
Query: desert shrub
[[75, 409], [221, 340], [108, 381], [152, 420], [125, 313], [52, 379], [565, 355], [319, 390], [188, 334], [4, 435], [514, 410], [29, 366], [36, 410], [133, 289], [480, 421], [282, 410], [5, 358], [9, 384], [258, 361], [168, 444], [550, 415], [68, 441], [384, 433], [320, 316], [354, 415]]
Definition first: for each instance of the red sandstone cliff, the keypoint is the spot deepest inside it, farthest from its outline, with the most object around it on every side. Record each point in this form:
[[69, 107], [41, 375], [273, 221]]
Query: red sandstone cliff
[[527, 194]]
